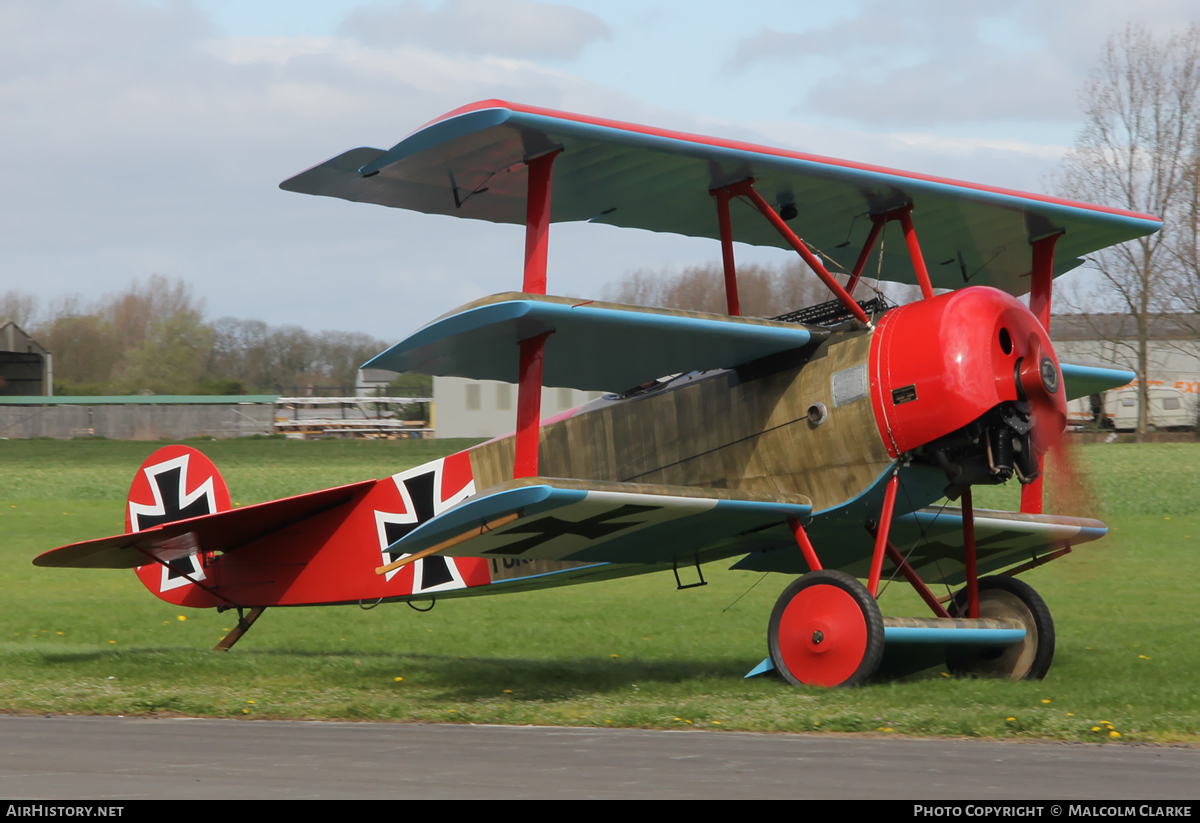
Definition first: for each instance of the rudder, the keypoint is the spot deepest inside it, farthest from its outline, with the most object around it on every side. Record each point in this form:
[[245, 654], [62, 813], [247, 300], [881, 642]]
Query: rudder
[[174, 483]]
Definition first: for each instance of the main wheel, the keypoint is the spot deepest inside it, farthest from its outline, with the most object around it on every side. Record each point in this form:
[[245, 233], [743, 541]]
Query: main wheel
[[826, 630], [1007, 597]]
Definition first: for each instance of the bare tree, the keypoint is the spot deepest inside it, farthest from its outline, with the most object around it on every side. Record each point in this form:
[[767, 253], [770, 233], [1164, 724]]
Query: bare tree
[[1142, 109], [1185, 249], [18, 307], [763, 291]]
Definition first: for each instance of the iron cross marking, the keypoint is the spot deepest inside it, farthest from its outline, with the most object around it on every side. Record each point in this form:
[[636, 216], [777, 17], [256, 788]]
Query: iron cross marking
[[548, 528], [168, 490], [434, 571]]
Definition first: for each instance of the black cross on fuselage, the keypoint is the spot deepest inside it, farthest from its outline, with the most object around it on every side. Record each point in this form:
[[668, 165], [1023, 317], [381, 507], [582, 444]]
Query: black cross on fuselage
[[434, 570]]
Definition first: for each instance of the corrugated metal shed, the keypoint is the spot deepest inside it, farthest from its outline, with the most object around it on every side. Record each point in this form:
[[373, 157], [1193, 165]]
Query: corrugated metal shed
[[142, 399], [25, 364]]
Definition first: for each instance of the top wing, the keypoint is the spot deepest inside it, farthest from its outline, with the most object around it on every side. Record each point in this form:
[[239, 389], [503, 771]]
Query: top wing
[[471, 162]]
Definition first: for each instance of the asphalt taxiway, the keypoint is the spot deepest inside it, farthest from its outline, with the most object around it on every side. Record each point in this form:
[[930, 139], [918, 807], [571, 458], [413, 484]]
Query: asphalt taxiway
[[111, 758]]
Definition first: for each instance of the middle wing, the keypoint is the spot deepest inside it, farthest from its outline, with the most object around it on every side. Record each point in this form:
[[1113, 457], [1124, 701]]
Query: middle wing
[[595, 346], [1081, 380]]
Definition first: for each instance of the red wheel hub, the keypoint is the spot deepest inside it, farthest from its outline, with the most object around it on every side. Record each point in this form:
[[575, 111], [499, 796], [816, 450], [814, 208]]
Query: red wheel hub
[[823, 636]]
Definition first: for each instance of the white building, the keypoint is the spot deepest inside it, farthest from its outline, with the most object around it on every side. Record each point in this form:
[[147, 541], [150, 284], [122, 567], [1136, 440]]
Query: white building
[[487, 408], [1173, 355]]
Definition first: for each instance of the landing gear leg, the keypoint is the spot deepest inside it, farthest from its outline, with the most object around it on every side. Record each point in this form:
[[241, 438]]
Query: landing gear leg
[[243, 625]]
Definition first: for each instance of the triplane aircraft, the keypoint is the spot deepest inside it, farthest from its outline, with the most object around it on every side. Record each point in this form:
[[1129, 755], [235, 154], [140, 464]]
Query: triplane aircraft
[[811, 444]]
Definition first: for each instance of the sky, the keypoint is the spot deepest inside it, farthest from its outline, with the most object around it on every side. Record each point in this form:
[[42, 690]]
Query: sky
[[142, 137]]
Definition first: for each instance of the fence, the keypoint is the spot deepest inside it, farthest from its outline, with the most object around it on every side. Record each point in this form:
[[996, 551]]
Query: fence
[[136, 421]]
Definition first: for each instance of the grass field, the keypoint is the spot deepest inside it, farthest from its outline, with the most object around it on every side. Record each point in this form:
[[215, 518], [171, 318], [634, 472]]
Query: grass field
[[625, 653]]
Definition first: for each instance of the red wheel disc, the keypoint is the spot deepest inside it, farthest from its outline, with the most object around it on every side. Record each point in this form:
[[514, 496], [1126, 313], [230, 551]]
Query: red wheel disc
[[823, 636]]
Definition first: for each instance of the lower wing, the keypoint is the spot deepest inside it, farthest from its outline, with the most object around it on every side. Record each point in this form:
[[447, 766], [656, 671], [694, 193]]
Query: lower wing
[[931, 540]]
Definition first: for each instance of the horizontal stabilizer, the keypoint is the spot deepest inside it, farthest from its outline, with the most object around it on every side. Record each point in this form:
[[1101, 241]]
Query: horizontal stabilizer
[[221, 532], [594, 346], [1080, 380], [932, 541], [606, 522]]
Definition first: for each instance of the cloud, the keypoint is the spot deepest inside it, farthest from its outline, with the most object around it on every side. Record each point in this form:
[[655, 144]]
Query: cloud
[[504, 28], [138, 141], [907, 63]]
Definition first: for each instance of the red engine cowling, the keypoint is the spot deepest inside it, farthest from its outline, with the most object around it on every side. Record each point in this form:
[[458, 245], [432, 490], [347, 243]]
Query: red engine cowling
[[942, 364]]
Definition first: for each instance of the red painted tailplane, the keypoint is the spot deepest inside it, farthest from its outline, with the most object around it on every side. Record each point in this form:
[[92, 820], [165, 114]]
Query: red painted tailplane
[[190, 548]]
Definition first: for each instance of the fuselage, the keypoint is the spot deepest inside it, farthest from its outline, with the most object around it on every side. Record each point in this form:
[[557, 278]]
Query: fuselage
[[825, 422], [747, 429], [935, 391]]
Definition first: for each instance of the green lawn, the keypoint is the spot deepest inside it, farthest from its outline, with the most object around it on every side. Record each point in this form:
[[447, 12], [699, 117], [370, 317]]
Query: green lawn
[[624, 653]]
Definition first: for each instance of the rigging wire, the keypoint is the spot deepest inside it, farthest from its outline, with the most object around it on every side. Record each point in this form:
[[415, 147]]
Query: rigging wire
[[849, 273], [746, 592], [924, 535]]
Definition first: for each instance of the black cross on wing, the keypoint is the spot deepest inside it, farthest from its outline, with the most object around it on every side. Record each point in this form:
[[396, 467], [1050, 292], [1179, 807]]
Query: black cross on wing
[[550, 528]]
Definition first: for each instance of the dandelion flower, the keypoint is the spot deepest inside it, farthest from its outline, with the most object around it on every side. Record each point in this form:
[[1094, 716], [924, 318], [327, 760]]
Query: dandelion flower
[[398, 679], [1115, 734]]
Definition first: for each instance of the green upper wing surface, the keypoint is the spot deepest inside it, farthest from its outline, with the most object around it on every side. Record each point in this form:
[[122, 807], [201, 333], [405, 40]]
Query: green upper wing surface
[[472, 163]]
